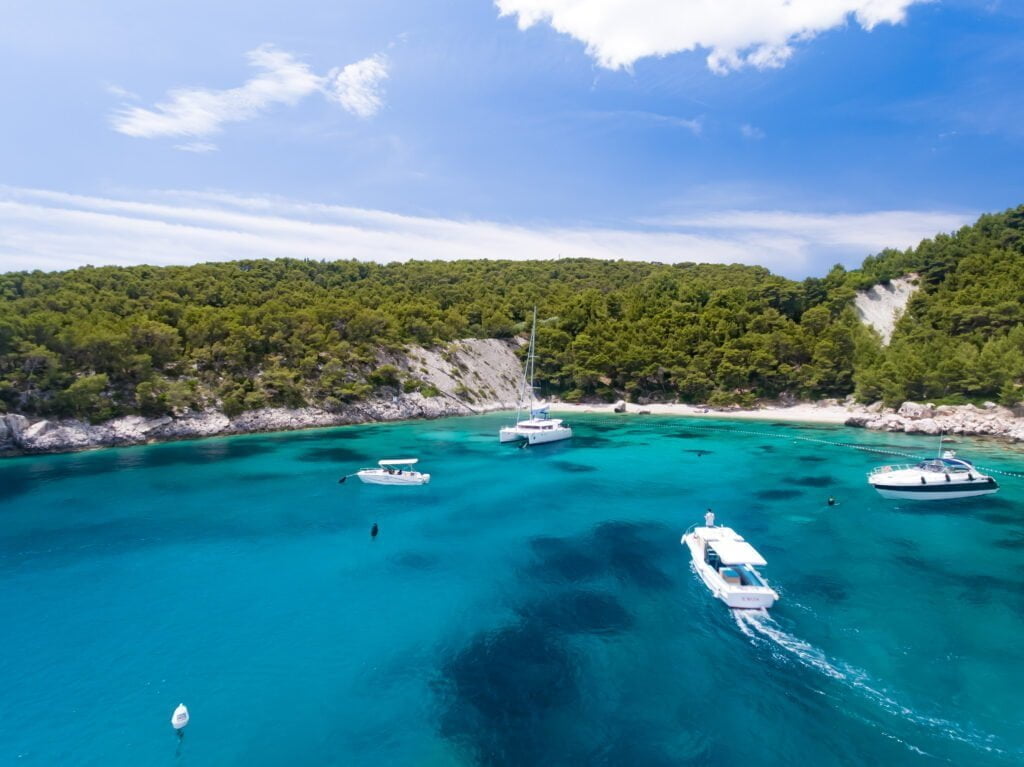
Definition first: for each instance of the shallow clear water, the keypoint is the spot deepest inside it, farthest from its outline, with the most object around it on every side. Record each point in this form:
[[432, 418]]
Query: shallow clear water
[[527, 607]]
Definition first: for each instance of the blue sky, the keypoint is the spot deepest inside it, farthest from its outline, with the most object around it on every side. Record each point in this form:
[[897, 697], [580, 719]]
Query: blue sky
[[791, 134]]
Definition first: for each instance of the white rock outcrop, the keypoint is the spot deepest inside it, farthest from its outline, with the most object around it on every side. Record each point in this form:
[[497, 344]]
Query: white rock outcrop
[[883, 305]]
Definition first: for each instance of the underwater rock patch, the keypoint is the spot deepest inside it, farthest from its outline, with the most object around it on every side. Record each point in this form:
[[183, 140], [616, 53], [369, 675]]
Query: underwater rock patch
[[813, 481], [416, 560], [501, 689], [579, 612], [337, 455], [778, 495], [561, 559], [198, 453], [574, 468]]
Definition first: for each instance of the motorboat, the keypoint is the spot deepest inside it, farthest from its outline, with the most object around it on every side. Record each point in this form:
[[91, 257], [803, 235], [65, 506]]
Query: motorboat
[[539, 427], [727, 565], [394, 471], [933, 479]]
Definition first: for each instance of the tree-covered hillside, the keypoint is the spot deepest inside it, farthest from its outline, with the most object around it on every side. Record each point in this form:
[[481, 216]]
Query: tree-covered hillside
[[97, 342], [962, 334]]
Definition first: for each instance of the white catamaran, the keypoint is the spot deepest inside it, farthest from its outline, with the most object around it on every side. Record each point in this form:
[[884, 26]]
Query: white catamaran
[[538, 428]]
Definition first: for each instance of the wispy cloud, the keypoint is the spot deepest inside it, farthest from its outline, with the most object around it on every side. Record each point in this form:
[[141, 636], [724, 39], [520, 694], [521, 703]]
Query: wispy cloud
[[197, 147], [751, 132], [825, 233], [121, 93], [357, 87], [736, 33], [694, 125], [48, 230], [281, 79]]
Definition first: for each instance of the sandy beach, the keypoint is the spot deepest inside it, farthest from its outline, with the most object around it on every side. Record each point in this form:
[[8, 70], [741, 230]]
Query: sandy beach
[[805, 412]]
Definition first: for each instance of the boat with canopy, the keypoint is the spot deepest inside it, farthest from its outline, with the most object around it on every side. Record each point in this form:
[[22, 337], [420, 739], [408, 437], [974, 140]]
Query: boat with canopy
[[394, 471], [727, 565]]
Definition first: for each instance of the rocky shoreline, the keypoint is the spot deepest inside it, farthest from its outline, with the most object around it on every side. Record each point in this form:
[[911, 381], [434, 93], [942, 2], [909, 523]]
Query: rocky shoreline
[[469, 376], [20, 436], [991, 420]]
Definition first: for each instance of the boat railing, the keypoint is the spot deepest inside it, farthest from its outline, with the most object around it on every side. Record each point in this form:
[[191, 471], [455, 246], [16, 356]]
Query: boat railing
[[891, 467]]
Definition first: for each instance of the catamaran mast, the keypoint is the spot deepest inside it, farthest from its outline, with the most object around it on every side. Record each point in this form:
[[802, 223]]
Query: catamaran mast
[[531, 357], [528, 372]]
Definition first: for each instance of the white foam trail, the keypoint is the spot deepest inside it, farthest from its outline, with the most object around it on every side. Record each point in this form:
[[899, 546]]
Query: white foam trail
[[757, 623]]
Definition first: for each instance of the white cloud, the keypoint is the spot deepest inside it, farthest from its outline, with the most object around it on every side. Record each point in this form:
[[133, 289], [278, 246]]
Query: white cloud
[[121, 93], [865, 233], [281, 79], [695, 124], [751, 132], [357, 86], [51, 230], [198, 147], [736, 33]]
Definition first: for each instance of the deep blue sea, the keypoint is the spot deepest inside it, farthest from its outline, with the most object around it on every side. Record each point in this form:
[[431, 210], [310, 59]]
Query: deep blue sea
[[528, 607]]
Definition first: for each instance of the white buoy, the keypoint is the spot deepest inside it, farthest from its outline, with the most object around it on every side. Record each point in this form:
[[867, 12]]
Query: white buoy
[[180, 717]]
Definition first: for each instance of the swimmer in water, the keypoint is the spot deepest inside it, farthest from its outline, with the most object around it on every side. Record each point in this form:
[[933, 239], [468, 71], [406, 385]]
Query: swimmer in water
[[831, 501], [374, 530]]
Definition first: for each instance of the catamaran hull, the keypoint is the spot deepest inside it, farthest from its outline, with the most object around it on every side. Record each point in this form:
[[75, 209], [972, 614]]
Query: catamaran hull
[[374, 478], [534, 437], [935, 492], [509, 435]]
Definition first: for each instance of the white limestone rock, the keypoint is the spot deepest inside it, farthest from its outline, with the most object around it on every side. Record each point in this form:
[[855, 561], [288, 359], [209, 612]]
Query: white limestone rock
[[915, 410]]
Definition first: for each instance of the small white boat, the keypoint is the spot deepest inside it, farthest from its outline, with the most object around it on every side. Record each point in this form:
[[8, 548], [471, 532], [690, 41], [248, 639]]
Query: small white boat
[[539, 427], [179, 719], [394, 471], [726, 563], [933, 479]]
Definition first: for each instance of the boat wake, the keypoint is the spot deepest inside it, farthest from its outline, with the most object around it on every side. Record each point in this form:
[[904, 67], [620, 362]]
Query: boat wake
[[759, 627]]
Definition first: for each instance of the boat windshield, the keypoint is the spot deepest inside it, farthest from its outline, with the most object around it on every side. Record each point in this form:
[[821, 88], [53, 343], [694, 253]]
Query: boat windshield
[[945, 465]]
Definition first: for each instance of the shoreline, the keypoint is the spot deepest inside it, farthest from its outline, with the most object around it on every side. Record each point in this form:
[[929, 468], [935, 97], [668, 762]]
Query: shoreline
[[21, 437], [801, 413]]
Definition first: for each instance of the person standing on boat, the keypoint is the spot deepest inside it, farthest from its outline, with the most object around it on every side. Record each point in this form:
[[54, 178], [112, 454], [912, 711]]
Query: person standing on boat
[[709, 518]]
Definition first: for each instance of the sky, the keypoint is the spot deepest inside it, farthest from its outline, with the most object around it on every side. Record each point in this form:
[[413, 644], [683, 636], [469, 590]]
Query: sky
[[793, 134]]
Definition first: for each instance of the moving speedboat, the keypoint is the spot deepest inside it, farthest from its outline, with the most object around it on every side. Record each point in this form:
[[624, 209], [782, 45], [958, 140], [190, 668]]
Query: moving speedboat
[[539, 427], [932, 479], [726, 563], [394, 471]]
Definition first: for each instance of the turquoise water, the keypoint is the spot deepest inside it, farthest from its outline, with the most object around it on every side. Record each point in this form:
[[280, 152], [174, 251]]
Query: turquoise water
[[527, 607]]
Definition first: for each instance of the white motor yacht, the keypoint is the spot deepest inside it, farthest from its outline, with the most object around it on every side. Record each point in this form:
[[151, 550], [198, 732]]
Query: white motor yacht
[[394, 471], [726, 563], [932, 479], [539, 427]]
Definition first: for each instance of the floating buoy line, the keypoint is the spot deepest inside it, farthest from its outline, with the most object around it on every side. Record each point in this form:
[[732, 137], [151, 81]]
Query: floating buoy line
[[834, 443]]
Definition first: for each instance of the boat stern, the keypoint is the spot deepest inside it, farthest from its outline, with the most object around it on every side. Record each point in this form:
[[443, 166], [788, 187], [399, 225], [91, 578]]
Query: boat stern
[[750, 599]]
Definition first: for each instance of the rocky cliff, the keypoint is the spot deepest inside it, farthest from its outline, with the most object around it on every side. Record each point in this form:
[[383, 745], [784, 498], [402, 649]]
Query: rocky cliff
[[471, 376]]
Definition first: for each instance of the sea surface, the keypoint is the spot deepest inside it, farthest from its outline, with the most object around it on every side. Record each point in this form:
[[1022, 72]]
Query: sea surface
[[528, 607]]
